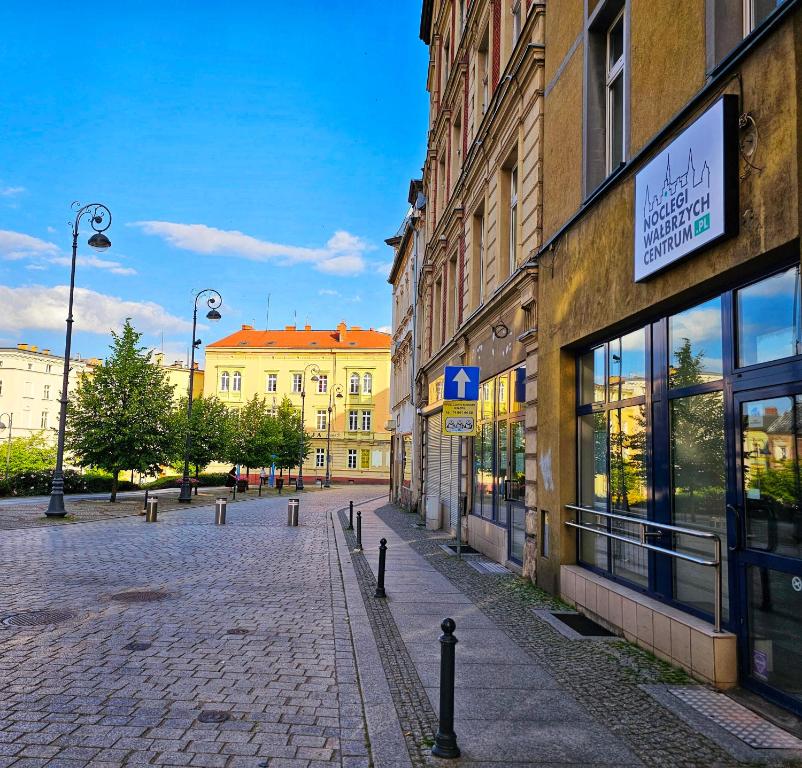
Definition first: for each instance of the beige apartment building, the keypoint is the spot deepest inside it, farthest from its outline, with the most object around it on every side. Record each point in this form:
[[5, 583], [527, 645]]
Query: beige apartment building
[[30, 388], [177, 374], [477, 289]]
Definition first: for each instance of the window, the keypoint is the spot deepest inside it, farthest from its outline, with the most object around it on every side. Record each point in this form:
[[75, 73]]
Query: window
[[30, 366], [236, 384], [366, 421], [43, 420], [272, 382], [28, 389], [695, 345], [446, 62], [482, 75], [48, 368], [320, 457], [297, 382], [364, 459], [353, 387], [353, 421], [321, 420], [46, 392], [351, 458], [478, 267], [323, 383], [615, 93], [1, 386], [756, 12], [224, 381], [367, 384], [516, 21], [513, 222]]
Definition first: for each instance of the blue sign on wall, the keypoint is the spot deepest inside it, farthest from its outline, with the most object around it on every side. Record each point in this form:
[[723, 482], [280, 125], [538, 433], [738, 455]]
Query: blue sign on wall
[[461, 382]]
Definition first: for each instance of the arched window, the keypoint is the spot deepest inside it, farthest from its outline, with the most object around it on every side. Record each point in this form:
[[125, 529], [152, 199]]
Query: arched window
[[236, 384], [367, 384], [354, 385], [224, 381]]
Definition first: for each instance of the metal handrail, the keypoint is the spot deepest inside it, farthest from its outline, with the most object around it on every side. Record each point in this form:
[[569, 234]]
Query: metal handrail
[[642, 542]]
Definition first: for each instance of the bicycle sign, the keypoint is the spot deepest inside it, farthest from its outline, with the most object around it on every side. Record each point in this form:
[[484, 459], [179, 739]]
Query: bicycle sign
[[459, 418]]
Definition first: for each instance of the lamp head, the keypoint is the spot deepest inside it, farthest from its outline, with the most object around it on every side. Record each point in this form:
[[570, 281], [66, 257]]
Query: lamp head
[[315, 377], [339, 395], [2, 425], [99, 242], [213, 315]]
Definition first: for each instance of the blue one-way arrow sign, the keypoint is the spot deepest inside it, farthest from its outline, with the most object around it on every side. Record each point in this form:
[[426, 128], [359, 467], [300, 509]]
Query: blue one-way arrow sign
[[461, 382]]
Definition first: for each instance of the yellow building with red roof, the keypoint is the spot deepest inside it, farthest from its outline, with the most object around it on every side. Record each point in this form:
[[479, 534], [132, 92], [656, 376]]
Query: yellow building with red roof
[[340, 378]]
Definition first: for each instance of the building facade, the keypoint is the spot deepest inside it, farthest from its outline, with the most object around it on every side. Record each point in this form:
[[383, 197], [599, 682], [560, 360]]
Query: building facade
[[477, 292], [669, 331], [404, 274], [177, 374], [346, 406], [30, 389]]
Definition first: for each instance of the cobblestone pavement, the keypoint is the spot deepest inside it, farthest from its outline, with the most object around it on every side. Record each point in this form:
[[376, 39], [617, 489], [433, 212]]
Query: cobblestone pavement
[[607, 678], [162, 627]]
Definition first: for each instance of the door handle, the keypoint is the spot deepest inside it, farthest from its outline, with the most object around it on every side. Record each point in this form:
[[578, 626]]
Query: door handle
[[737, 514]]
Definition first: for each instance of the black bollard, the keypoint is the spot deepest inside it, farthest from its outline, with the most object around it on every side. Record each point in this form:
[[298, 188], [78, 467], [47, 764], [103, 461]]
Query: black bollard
[[359, 530], [145, 505], [445, 743], [350, 515], [382, 560]]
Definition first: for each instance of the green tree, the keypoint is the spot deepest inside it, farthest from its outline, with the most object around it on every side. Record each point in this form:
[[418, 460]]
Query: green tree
[[29, 454], [255, 435], [293, 439], [209, 430], [120, 418]]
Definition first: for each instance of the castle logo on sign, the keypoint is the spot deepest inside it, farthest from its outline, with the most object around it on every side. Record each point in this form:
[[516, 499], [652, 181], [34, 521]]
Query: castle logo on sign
[[683, 197]]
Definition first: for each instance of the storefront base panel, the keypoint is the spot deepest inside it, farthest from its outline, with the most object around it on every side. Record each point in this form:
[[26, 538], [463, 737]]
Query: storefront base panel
[[673, 636], [487, 538]]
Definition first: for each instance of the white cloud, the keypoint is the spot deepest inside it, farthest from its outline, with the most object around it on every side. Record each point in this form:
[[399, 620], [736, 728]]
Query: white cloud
[[40, 307], [11, 191], [343, 254], [384, 329], [383, 268], [92, 261], [327, 292], [15, 245]]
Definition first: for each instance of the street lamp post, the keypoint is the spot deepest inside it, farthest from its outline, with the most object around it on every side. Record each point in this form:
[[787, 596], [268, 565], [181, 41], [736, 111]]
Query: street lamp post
[[299, 483], [8, 444], [214, 302], [336, 391], [100, 221]]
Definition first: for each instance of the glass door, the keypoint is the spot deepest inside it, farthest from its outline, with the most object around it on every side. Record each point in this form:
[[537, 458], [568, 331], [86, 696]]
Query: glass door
[[515, 489], [768, 542], [502, 469]]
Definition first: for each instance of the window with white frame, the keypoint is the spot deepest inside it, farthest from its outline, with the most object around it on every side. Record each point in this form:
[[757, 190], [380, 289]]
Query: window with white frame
[[224, 379], [48, 368], [353, 421], [366, 418], [482, 73], [367, 384], [321, 419], [272, 382], [1, 387], [478, 260], [353, 385], [513, 220], [46, 392], [43, 420], [297, 382], [756, 12], [236, 382], [320, 457], [323, 383], [615, 66], [351, 458], [516, 21]]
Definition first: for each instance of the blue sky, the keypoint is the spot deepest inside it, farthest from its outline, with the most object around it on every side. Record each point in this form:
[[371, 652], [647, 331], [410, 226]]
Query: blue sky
[[254, 147]]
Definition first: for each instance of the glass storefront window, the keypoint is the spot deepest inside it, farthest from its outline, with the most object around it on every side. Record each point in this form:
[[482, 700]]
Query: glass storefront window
[[698, 485], [627, 366], [483, 472], [591, 376], [695, 345], [486, 391], [769, 319], [501, 470], [502, 394], [593, 484]]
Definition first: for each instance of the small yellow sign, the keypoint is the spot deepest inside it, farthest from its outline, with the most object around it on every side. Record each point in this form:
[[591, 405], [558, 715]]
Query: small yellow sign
[[459, 417]]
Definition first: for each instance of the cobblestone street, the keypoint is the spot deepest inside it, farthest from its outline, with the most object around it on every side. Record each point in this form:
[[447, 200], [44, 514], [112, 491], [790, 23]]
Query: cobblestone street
[[255, 644]]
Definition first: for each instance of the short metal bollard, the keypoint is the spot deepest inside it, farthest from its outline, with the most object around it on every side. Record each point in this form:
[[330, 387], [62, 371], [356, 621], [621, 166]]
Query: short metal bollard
[[220, 512], [359, 530], [382, 562], [145, 505], [445, 742], [292, 512], [350, 515], [152, 511]]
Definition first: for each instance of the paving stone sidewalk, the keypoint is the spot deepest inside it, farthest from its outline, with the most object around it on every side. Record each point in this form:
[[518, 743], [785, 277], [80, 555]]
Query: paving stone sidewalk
[[157, 631], [527, 695]]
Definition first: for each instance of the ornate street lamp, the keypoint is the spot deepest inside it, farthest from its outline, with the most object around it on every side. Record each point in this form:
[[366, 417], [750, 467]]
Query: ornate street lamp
[[8, 445], [336, 392], [100, 221], [214, 302], [299, 483]]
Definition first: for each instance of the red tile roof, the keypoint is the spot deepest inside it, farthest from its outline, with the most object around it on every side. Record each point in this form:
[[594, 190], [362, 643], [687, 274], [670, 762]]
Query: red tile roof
[[291, 337]]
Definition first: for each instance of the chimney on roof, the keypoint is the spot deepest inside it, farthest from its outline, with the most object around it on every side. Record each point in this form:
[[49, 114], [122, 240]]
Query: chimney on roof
[[178, 363], [356, 327], [34, 348], [307, 327], [45, 351], [196, 366], [341, 329], [247, 327], [23, 347], [289, 327]]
